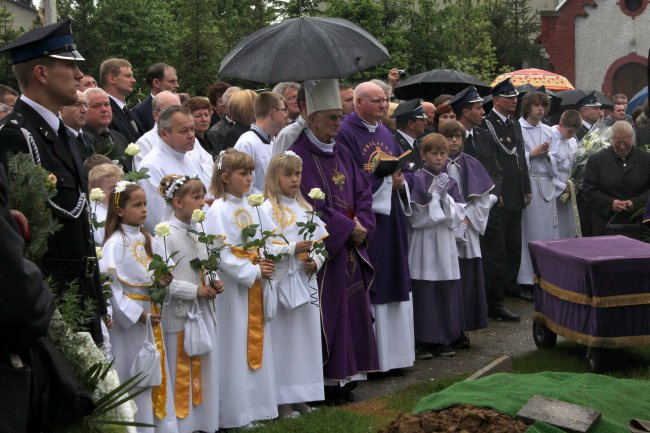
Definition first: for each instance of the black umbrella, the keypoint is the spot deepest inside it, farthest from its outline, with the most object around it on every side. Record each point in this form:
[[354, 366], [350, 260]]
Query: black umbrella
[[305, 48], [570, 98], [430, 84]]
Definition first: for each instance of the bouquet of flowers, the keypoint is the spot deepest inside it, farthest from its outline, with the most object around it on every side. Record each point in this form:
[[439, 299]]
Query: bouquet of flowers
[[597, 138]]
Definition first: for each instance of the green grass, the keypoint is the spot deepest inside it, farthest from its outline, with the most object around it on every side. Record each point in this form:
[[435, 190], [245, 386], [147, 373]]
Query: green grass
[[373, 415]]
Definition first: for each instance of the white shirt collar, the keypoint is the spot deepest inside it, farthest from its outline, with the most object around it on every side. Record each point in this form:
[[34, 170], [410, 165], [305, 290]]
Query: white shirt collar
[[501, 116], [587, 125], [410, 140], [169, 151], [117, 101], [72, 131], [50, 118], [325, 147]]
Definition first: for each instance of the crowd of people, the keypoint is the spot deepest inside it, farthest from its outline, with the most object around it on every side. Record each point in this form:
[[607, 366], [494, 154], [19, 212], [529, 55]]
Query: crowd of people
[[350, 235]]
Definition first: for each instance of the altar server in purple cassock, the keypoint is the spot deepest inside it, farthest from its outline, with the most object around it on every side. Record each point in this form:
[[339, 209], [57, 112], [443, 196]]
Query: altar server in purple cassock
[[475, 187], [368, 140], [349, 344]]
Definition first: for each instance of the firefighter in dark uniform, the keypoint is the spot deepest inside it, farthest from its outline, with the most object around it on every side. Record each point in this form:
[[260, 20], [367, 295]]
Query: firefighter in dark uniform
[[503, 255], [45, 65]]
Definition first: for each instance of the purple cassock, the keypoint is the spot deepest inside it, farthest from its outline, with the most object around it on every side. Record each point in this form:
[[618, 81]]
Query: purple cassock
[[349, 345], [388, 250], [437, 313], [474, 182]]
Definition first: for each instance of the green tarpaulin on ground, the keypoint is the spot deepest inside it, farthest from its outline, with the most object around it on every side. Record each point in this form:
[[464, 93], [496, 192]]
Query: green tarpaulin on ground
[[619, 400]]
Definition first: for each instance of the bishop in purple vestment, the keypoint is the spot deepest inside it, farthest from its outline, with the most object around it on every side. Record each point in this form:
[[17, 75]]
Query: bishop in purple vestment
[[349, 345]]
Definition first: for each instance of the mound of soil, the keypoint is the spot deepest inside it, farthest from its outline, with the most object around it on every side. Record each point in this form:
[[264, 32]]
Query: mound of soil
[[461, 419]]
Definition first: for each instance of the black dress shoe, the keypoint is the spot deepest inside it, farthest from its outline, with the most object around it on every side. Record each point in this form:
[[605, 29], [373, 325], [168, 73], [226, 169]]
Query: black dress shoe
[[526, 296], [461, 342], [502, 313]]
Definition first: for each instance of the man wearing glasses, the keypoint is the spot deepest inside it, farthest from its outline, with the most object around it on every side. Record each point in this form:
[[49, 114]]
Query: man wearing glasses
[[74, 118], [271, 115]]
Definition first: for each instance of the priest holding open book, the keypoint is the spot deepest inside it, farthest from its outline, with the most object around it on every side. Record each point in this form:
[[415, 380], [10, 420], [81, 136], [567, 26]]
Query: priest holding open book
[[375, 151]]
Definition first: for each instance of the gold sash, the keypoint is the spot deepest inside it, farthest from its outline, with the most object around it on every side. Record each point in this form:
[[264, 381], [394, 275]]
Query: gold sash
[[186, 368], [158, 393], [255, 342]]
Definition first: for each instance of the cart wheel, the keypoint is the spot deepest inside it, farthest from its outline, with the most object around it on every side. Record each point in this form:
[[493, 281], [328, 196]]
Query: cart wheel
[[544, 337], [595, 359]]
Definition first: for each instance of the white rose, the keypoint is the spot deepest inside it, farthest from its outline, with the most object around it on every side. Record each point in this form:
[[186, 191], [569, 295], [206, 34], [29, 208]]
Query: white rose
[[198, 216], [132, 149], [99, 253], [162, 230], [96, 194], [316, 194], [255, 199]]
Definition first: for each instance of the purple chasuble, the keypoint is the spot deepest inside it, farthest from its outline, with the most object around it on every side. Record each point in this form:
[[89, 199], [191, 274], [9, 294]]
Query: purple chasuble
[[474, 178], [388, 250], [349, 344], [422, 181]]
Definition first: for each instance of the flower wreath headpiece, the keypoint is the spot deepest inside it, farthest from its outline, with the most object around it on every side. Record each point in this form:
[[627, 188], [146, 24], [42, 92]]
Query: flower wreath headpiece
[[173, 186], [120, 187], [290, 153]]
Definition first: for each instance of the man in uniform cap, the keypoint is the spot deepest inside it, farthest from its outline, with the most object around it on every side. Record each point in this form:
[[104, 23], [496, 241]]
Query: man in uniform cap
[[349, 348], [502, 238], [363, 134], [44, 63], [591, 111], [411, 122]]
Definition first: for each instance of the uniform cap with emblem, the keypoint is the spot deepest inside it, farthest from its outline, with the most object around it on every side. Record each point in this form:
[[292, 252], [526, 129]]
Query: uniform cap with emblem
[[465, 97], [590, 100], [322, 95], [54, 40], [505, 89], [409, 110]]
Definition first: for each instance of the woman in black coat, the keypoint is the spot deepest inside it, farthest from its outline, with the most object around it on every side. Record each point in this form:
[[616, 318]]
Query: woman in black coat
[[617, 180]]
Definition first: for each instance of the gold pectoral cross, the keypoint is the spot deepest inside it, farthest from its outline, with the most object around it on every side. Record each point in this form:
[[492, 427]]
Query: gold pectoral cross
[[338, 178]]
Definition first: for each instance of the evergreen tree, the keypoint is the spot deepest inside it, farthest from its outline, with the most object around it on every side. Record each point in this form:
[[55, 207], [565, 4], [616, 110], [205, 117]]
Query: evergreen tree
[[196, 50], [513, 29], [7, 34]]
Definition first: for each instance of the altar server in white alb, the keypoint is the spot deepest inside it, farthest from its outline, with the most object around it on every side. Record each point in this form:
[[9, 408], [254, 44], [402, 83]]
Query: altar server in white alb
[[192, 303], [295, 331], [270, 117], [127, 252], [173, 154], [246, 374], [474, 185], [433, 255], [540, 218], [564, 148]]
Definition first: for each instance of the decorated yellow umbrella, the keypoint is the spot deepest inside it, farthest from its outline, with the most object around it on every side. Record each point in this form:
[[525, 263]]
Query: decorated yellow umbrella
[[537, 78]]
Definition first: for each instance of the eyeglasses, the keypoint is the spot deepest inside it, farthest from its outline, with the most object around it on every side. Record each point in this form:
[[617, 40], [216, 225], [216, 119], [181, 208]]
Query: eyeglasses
[[331, 117], [282, 109], [81, 104]]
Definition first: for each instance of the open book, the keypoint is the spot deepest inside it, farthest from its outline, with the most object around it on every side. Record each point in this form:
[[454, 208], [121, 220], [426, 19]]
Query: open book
[[386, 165]]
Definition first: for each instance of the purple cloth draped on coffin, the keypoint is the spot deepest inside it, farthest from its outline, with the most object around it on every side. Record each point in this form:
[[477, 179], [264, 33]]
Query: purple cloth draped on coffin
[[422, 180], [601, 266], [475, 179], [388, 251], [349, 344]]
